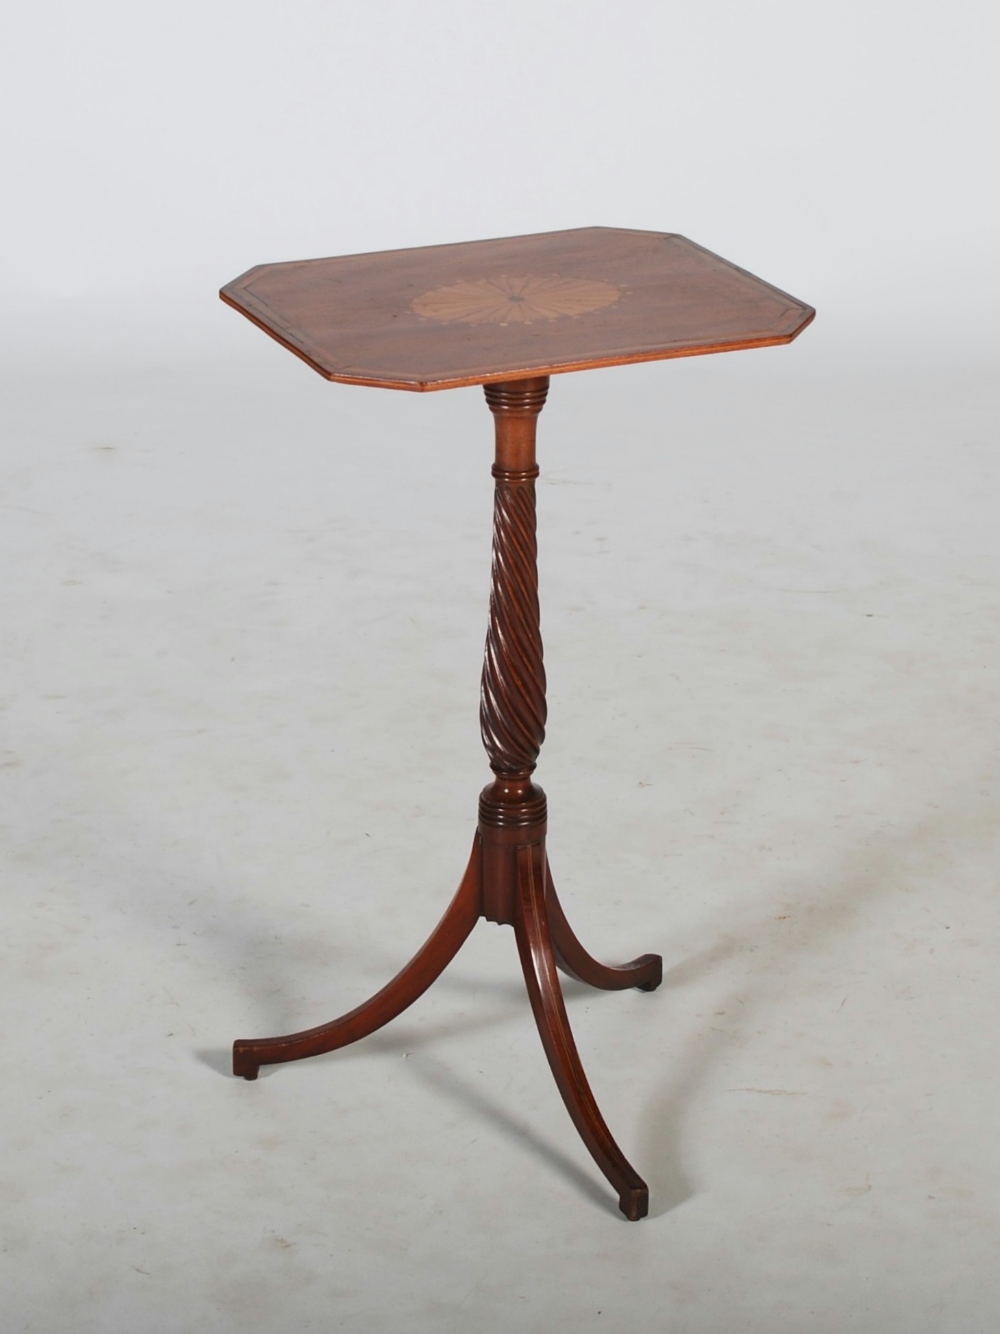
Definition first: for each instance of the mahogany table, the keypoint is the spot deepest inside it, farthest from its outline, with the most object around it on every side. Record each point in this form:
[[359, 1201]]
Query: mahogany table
[[508, 314]]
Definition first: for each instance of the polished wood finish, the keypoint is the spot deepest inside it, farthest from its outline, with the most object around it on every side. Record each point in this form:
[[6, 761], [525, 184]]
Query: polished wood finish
[[508, 314], [644, 973], [507, 879], [462, 914], [438, 317], [534, 943]]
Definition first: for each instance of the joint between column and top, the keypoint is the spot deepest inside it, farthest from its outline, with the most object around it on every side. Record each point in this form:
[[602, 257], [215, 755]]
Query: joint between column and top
[[515, 405], [518, 397]]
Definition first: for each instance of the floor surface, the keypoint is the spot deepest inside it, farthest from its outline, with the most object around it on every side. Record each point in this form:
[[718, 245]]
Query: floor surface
[[243, 615]]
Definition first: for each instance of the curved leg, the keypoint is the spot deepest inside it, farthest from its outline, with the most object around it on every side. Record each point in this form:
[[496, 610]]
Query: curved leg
[[531, 926], [646, 972], [249, 1054]]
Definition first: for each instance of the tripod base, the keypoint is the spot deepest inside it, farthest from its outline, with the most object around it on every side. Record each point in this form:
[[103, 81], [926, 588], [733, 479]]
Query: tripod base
[[507, 880]]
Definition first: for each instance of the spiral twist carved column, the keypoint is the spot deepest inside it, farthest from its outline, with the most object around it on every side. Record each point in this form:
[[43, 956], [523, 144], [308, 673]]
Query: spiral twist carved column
[[512, 701]]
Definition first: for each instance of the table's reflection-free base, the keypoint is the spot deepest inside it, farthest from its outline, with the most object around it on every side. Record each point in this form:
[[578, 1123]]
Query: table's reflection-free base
[[508, 878]]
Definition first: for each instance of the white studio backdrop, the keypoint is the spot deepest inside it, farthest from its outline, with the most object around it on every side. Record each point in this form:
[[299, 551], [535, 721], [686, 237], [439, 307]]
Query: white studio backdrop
[[842, 150]]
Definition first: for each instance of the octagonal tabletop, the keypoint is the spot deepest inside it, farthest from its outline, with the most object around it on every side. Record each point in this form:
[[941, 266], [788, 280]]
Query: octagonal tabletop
[[438, 317]]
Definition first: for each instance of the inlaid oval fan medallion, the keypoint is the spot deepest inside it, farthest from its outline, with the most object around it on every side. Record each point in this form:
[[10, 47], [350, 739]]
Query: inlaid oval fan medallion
[[508, 300]]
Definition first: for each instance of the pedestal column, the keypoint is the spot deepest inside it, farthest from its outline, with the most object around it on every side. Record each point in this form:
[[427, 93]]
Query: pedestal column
[[512, 810]]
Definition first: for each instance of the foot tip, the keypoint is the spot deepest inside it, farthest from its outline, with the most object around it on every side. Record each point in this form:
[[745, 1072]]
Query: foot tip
[[634, 1203], [654, 964], [244, 1063]]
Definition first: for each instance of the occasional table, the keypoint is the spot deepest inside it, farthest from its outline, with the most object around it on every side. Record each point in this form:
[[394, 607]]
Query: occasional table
[[508, 314]]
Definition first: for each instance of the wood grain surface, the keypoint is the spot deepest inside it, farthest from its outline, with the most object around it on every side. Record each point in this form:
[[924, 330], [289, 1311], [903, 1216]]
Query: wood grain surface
[[438, 317]]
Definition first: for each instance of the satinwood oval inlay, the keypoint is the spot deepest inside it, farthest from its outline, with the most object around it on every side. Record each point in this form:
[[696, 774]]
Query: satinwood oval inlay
[[515, 300]]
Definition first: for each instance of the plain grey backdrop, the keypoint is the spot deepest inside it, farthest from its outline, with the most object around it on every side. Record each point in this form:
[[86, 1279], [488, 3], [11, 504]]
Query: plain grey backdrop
[[242, 633]]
